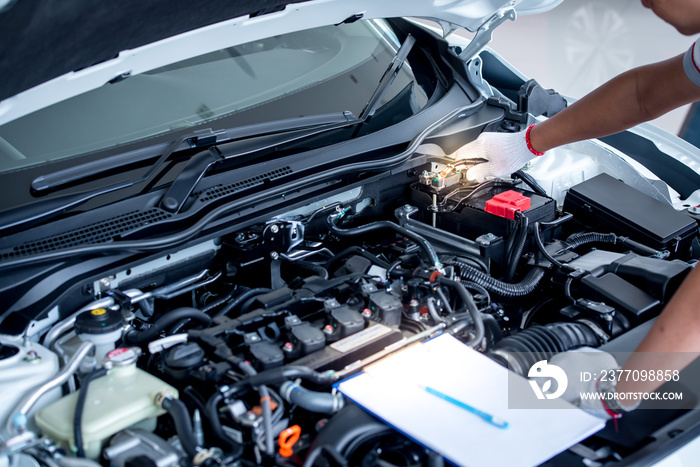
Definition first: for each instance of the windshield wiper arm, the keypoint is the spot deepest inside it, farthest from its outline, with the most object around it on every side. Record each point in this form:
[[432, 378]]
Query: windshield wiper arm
[[54, 180], [24, 214], [199, 164], [43, 209], [387, 79]]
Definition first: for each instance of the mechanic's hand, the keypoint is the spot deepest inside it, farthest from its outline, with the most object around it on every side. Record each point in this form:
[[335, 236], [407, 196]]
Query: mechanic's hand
[[505, 152], [586, 361]]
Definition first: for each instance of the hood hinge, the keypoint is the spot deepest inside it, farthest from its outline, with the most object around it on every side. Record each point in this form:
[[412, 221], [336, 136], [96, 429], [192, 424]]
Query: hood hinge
[[485, 33]]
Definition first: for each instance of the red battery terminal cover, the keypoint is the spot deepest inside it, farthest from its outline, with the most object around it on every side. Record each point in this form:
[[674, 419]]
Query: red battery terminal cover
[[505, 204]]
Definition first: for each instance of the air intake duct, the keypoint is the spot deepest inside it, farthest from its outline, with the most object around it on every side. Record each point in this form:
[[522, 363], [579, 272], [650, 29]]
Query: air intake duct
[[536, 343]]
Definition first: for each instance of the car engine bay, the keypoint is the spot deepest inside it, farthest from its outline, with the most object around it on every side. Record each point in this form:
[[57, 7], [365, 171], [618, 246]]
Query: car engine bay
[[226, 351]]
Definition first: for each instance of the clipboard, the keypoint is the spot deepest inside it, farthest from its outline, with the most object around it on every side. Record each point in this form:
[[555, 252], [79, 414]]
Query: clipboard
[[394, 390]]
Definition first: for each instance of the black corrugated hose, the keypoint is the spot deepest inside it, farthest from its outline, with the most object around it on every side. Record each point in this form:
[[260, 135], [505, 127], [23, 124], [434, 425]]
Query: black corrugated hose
[[500, 288], [578, 239], [583, 238], [518, 247], [541, 342]]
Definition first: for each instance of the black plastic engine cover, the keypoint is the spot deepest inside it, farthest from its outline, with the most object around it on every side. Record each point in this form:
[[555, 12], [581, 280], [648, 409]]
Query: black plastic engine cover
[[608, 204]]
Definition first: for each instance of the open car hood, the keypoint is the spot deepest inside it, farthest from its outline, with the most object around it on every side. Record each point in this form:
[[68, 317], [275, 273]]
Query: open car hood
[[55, 50]]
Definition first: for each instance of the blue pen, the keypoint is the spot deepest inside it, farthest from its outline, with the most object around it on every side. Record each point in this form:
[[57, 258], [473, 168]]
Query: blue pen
[[495, 421]]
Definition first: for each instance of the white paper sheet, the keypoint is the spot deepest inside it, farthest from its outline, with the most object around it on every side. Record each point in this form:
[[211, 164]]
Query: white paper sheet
[[394, 391]]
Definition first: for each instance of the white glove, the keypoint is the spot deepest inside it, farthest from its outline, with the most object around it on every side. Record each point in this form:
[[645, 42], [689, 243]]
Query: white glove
[[580, 364], [505, 152]]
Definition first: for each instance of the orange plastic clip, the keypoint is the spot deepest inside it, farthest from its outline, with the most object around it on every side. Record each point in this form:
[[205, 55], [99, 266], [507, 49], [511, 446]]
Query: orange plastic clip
[[287, 439]]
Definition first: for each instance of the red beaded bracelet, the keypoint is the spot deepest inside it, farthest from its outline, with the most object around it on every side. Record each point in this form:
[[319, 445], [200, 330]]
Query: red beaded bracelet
[[529, 143]]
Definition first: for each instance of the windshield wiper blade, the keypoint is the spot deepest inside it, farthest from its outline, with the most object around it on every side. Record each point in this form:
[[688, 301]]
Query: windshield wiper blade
[[39, 210], [46, 208], [55, 180]]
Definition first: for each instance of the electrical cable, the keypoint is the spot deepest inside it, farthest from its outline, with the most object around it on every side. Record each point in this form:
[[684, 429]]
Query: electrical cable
[[80, 407], [531, 182], [540, 246]]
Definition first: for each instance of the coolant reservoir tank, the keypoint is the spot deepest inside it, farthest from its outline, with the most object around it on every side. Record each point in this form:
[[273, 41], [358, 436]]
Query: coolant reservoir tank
[[121, 399]]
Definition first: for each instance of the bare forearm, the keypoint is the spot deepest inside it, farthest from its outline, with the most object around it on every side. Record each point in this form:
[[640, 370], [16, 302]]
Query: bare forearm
[[631, 98], [673, 341]]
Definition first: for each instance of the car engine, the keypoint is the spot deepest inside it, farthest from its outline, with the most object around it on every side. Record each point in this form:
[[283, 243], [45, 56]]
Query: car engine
[[226, 352]]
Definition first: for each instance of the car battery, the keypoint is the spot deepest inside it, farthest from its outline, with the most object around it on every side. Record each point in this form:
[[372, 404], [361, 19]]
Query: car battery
[[469, 211], [609, 205]]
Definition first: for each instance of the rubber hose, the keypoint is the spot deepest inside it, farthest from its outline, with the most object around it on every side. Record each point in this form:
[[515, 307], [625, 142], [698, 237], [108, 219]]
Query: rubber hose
[[537, 343], [267, 419], [430, 302], [219, 301], [313, 401], [311, 267], [212, 415], [80, 407], [279, 375], [503, 289], [355, 250], [183, 424], [468, 300], [168, 320], [264, 393], [381, 225], [445, 301], [230, 306], [478, 288]]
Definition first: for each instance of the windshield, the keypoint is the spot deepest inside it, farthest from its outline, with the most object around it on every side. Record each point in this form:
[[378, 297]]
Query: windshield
[[322, 70]]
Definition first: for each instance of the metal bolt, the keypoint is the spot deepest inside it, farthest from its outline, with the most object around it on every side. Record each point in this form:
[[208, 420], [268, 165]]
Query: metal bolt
[[274, 229], [240, 236], [407, 207], [694, 209], [274, 255], [31, 356]]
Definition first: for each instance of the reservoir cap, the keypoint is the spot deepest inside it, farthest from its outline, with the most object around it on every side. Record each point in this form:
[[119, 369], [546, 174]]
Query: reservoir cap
[[98, 321]]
